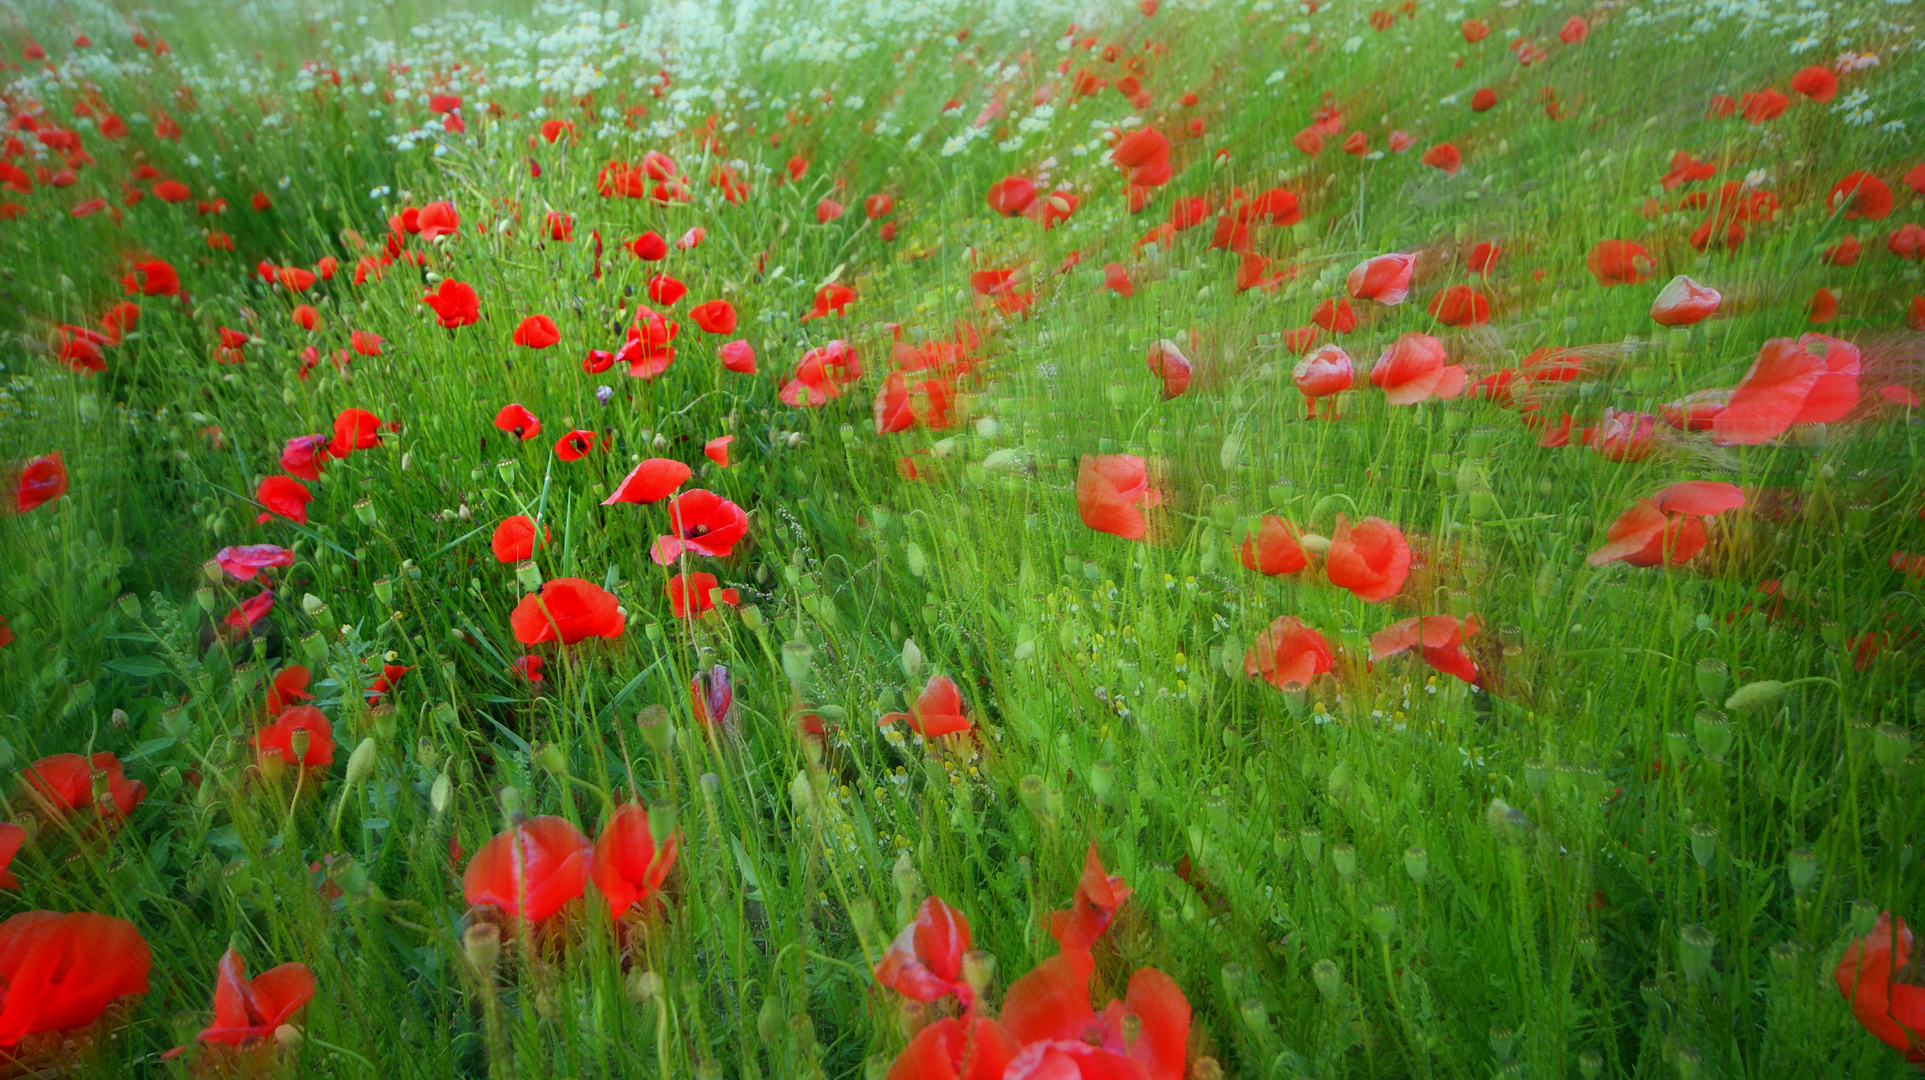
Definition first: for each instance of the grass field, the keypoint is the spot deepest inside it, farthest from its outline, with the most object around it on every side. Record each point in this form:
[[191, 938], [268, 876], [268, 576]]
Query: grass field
[[776, 539]]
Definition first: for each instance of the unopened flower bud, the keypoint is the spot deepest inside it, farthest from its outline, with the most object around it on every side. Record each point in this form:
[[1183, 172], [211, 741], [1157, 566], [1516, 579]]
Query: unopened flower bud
[[1756, 695], [1102, 781], [1508, 822], [481, 942], [908, 882], [643, 986], [549, 759], [442, 794], [361, 763], [911, 660], [661, 823], [288, 1038], [978, 968]]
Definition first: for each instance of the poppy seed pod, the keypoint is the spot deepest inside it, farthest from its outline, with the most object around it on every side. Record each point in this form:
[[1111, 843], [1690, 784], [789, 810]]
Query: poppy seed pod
[[1328, 977], [656, 731], [1310, 839], [1102, 781], [1344, 858], [1417, 864], [797, 659], [1383, 919], [1891, 744], [1030, 790], [1704, 842], [1714, 734], [481, 944], [1697, 945], [978, 968], [1713, 676]]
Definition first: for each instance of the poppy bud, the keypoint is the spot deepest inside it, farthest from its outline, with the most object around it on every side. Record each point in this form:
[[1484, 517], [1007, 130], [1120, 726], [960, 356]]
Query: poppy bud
[[978, 967], [361, 763], [1030, 790], [1694, 957], [655, 727], [917, 562], [643, 986], [1784, 960], [1891, 744], [1712, 675], [510, 798], [1761, 694], [1344, 858], [771, 1022], [907, 881], [1329, 979], [1714, 734], [1383, 919], [1801, 865], [1310, 839], [1587, 946], [1508, 822], [481, 942], [365, 511], [1102, 781], [1704, 842], [1417, 863], [549, 759], [797, 658], [911, 660], [315, 607], [442, 794]]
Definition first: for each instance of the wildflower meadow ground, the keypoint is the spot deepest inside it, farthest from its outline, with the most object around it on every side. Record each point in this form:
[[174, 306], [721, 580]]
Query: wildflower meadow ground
[[961, 539]]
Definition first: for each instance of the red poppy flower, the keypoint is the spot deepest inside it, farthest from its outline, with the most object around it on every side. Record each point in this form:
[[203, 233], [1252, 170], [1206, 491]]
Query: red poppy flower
[[1683, 302], [876, 206], [1822, 308], [289, 686], [1335, 315], [277, 739], [1763, 105], [1696, 411], [830, 300], [924, 962], [1117, 280], [1098, 895], [304, 456], [438, 219], [1439, 638], [714, 316], [695, 593], [41, 480], [1574, 30], [64, 784], [956, 1048], [1483, 100], [1011, 196], [537, 332], [1274, 549], [1444, 156], [454, 303], [529, 668], [1835, 393], [152, 278], [738, 356], [283, 496], [1324, 372], [1112, 490], [1623, 435], [827, 210], [251, 611], [1412, 369], [365, 342], [653, 480], [1287, 654], [717, 449], [1772, 394], [649, 247], [712, 697], [1384, 278], [1476, 30], [11, 838], [575, 445], [61, 971], [1907, 241], [1861, 195], [628, 867], [516, 420], [1188, 211], [1816, 83], [306, 317], [938, 710], [530, 870], [1867, 975], [1371, 559], [354, 429], [1047, 1012], [665, 290], [1667, 529], [1460, 305], [251, 1010], [567, 610], [1619, 262], [1168, 363], [1844, 253], [700, 522], [514, 539]]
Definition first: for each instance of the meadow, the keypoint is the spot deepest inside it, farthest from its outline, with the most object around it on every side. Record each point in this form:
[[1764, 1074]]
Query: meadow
[[961, 540]]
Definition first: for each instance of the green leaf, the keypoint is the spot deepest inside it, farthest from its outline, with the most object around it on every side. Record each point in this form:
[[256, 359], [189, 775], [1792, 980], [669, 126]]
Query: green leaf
[[140, 667]]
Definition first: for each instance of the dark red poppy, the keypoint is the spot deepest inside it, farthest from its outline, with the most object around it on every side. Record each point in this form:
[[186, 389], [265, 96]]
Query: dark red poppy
[[12, 837], [628, 866], [567, 610], [530, 870], [252, 610]]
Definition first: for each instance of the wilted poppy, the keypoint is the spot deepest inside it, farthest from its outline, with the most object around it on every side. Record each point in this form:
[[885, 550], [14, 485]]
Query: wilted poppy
[[1683, 302], [537, 332], [41, 480], [249, 1011], [1112, 490], [924, 962], [61, 971], [653, 480], [696, 593], [567, 610], [1274, 549], [1868, 976], [530, 870], [938, 710], [629, 867], [1371, 558], [1384, 278], [702, 523], [1287, 654], [1438, 638], [1168, 363], [516, 420]]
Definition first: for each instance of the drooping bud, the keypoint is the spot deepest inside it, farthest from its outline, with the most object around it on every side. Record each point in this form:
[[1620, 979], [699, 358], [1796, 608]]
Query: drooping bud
[[911, 660], [361, 763], [442, 794], [549, 759], [1756, 695]]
